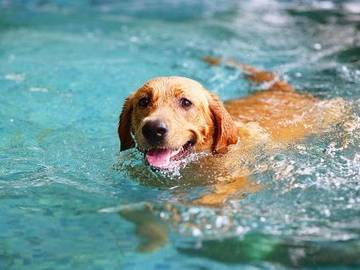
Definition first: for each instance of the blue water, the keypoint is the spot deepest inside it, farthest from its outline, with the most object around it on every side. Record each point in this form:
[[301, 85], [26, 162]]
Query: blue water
[[65, 69]]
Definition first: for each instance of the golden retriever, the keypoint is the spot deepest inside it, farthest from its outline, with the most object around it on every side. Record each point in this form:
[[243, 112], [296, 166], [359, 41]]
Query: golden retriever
[[170, 117]]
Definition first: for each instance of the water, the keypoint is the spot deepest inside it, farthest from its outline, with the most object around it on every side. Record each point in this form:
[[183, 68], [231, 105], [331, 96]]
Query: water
[[65, 69]]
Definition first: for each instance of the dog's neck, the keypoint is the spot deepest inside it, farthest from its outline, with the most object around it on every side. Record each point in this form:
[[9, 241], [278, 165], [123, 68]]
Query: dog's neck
[[252, 132]]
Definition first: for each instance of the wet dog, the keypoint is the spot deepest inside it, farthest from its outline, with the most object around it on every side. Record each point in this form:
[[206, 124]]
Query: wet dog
[[168, 118]]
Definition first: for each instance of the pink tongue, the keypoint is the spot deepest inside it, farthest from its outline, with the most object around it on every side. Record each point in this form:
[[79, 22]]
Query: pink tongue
[[159, 158]]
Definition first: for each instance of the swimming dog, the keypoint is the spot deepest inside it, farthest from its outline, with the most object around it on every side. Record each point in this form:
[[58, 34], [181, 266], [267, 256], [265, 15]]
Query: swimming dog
[[168, 118]]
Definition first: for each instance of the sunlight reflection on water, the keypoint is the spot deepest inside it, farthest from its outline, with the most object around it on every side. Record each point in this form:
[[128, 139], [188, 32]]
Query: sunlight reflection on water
[[65, 69]]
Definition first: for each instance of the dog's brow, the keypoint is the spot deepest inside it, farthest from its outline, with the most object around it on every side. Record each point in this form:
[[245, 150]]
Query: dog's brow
[[178, 92], [147, 90]]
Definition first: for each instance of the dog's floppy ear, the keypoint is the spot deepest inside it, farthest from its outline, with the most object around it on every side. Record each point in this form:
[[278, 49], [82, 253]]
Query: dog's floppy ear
[[225, 131], [124, 129]]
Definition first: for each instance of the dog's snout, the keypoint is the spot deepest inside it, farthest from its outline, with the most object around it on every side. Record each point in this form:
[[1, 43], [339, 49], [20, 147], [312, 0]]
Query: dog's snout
[[155, 131]]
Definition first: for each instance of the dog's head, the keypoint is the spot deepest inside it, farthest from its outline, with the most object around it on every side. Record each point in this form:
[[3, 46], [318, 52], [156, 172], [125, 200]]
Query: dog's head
[[170, 117]]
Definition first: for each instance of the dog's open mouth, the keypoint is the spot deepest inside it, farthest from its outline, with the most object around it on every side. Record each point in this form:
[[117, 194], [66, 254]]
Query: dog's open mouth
[[165, 158]]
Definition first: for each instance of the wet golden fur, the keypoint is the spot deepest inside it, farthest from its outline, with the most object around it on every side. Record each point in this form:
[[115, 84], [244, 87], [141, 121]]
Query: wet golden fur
[[271, 118], [275, 116]]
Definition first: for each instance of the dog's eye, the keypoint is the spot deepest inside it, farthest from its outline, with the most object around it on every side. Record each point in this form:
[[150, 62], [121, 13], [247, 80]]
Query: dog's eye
[[185, 103], [144, 102]]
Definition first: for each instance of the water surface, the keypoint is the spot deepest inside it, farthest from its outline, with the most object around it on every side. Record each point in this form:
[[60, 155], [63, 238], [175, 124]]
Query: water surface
[[65, 69]]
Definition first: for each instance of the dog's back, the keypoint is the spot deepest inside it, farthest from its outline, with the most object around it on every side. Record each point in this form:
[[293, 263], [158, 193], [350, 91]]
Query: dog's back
[[279, 111]]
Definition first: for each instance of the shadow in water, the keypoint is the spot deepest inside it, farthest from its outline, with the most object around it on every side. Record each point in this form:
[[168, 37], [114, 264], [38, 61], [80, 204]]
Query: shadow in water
[[256, 248]]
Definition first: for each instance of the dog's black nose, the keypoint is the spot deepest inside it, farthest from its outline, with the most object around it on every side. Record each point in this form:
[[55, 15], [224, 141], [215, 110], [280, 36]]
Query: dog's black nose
[[154, 131]]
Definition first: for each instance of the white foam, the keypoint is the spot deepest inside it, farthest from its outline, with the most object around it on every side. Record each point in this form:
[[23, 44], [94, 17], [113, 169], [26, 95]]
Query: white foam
[[17, 77], [38, 89]]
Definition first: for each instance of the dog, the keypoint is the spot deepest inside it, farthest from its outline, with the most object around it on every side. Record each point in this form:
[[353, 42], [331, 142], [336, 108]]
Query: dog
[[168, 118]]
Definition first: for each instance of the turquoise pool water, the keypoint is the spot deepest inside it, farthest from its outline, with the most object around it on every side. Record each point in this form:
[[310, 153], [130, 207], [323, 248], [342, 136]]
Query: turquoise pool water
[[65, 69]]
